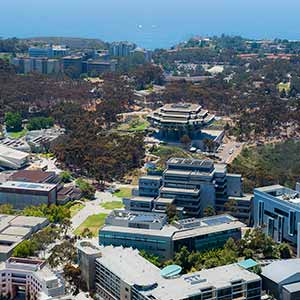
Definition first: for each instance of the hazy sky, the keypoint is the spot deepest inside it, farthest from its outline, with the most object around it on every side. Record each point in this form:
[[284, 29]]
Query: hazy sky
[[152, 22]]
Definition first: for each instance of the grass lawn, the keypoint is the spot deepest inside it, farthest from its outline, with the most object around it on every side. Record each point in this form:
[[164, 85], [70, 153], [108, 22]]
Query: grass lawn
[[137, 124], [112, 205], [217, 125], [74, 209], [123, 193], [18, 134], [93, 223]]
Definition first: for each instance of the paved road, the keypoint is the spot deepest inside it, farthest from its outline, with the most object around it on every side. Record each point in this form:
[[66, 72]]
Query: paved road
[[230, 151], [93, 207]]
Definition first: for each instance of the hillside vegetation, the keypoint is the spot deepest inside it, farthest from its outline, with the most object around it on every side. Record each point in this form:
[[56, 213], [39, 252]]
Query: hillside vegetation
[[269, 164]]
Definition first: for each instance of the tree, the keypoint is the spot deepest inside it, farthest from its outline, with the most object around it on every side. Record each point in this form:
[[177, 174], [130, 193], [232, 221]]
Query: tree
[[248, 253], [13, 121], [86, 233], [86, 188], [40, 123], [231, 206], [209, 211], [151, 257], [182, 258], [6, 209], [171, 212], [285, 250], [65, 176], [185, 140], [24, 249], [73, 276]]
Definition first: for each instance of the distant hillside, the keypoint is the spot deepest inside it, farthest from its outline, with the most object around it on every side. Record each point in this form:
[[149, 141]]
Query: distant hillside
[[72, 42]]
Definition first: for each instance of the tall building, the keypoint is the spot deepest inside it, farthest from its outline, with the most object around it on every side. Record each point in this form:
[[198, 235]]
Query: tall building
[[40, 65], [22, 194], [192, 185], [172, 121], [23, 278], [150, 232], [54, 51], [147, 54], [121, 273], [276, 209], [121, 49], [72, 65]]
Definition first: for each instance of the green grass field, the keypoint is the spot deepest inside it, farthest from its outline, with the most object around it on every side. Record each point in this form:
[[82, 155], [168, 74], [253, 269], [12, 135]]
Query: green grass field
[[18, 134], [112, 205], [74, 209], [93, 223], [134, 125], [123, 193]]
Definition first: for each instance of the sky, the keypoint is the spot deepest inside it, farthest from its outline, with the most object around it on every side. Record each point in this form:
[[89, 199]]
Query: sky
[[152, 23]]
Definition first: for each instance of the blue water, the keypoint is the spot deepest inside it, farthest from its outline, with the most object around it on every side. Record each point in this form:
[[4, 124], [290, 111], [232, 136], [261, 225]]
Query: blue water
[[152, 23]]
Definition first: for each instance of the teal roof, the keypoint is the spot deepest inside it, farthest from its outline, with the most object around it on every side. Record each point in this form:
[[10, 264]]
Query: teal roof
[[248, 263], [170, 271]]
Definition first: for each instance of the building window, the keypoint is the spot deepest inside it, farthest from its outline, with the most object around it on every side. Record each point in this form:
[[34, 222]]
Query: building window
[[271, 227], [280, 228], [292, 221], [261, 213]]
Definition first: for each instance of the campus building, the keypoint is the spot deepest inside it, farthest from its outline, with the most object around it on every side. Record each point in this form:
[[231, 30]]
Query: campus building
[[276, 209], [94, 67], [152, 233], [22, 194], [42, 65], [54, 51], [192, 185], [172, 121], [12, 159], [121, 49], [15, 229], [22, 278], [281, 279], [121, 273]]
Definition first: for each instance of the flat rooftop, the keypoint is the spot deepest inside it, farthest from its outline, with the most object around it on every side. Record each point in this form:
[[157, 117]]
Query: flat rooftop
[[30, 186], [281, 193], [14, 229], [12, 153], [133, 269], [190, 162], [34, 176], [184, 107], [182, 229]]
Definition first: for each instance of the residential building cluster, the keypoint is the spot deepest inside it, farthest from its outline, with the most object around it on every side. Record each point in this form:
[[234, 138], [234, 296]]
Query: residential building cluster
[[54, 59]]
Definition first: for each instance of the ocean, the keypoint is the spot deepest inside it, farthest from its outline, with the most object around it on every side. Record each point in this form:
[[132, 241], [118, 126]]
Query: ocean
[[151, 24]]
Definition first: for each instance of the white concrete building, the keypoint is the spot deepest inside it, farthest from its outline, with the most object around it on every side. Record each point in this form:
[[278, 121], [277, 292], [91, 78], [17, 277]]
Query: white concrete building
[[122, 274], [30, 278], [12, 159]]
